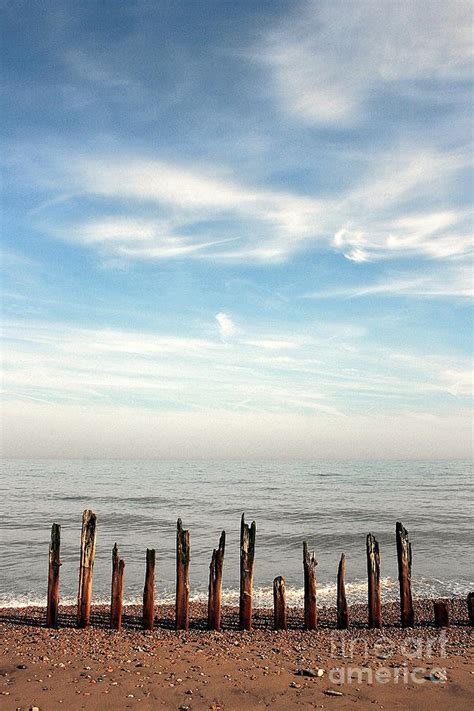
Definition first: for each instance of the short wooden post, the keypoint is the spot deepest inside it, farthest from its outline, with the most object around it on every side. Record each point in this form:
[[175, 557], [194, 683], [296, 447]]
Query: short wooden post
[[373, 574], [182, 577], [214, 607], [279, 603], [116, 601], [247, 557], [84, 596], [309, 568], [404, 556], [149, 590], [342, 609], [470, 607], [441, 613], [53, 576]]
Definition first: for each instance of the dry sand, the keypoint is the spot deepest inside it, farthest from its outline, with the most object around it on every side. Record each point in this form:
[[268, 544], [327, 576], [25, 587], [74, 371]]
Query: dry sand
[[100, 669]]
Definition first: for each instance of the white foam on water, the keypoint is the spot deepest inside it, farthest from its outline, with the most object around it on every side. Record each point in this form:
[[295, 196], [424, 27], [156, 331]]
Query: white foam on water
[[356, 592]]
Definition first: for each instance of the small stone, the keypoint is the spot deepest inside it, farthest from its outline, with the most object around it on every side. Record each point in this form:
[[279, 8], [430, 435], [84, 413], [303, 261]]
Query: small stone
[[294, 685], [21, 666], [320, 672], [305, 672], [130, 696], [437, 675], [333, 692]]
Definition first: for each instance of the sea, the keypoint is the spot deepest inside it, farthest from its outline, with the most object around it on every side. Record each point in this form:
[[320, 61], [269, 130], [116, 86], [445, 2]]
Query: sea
[[330, 504]]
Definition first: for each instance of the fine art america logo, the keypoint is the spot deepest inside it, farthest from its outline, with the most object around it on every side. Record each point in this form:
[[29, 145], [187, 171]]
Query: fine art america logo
[[406, 661]]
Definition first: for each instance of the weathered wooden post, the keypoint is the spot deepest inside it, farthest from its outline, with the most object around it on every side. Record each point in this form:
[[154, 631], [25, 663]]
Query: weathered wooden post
[[470, 607], [441, 613], [309, 568], [342, 609], [53, 576], [182, 577], [84, 596], [404, 556], [214, 607], [247, 557], [149, 591], [279, 603], [116, 598], [373, 574]]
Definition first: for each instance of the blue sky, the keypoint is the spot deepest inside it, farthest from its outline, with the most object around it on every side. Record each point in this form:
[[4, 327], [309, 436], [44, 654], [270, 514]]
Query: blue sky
[[237, 228]]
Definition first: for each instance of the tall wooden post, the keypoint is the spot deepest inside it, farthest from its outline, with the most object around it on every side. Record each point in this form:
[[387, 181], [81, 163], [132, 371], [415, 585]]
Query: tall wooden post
[[149, 590], [214, 607], [116, 601], [407, 613], [84, 596], [373, 574], [342, 609], [182, 577], [53, 576], [470, 607], [279, 603], [441, 613], [247, 557], [309, 568]]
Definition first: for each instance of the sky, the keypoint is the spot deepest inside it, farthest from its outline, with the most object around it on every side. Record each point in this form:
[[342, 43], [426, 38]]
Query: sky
[[237, 229]]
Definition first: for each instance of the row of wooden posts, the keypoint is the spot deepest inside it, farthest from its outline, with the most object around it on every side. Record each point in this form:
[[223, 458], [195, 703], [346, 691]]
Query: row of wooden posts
[[247, 555]]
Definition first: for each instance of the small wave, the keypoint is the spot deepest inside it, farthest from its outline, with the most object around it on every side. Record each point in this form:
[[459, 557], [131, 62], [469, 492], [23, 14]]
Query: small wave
[[356, 592]]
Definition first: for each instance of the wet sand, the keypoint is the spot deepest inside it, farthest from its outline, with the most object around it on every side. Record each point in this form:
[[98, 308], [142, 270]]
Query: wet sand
[[104, 670]]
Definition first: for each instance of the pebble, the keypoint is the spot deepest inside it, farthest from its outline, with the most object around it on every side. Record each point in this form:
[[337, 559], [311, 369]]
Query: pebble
[[296, 650], [436, 676], [305, 672]]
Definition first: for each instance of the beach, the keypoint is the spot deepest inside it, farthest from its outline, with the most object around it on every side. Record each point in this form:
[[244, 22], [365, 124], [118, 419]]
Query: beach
[[104, 670]]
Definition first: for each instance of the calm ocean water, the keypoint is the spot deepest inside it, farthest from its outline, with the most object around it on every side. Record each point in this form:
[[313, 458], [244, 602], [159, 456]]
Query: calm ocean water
[[331, 504]]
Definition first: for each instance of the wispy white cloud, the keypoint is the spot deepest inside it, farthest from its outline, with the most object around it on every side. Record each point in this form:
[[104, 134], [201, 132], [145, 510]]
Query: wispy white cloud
[[188, 197], [326, 369], [136, 238], [450, 281], [205, 214], [389, 214], [339, 147], [227, 327], [329, 60]]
